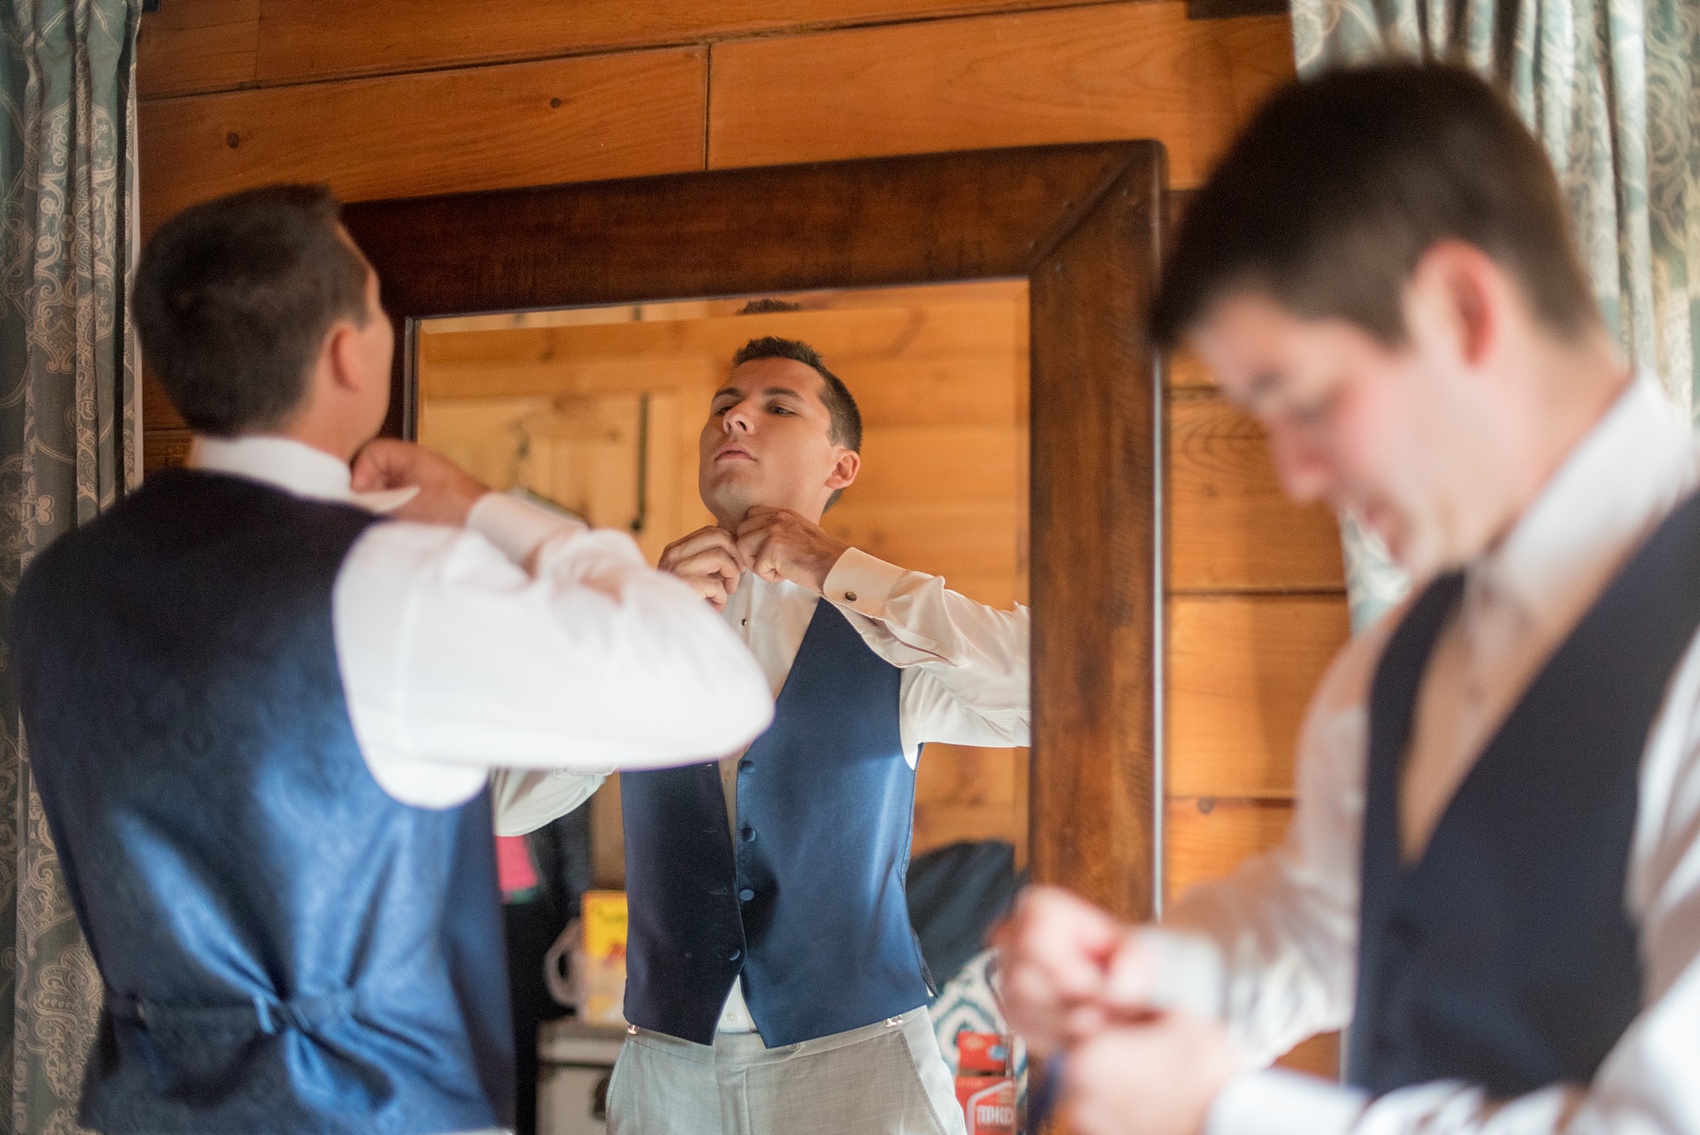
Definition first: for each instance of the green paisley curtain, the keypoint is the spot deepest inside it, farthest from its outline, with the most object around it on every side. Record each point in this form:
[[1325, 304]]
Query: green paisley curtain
[[1610, 87], [69, 371]]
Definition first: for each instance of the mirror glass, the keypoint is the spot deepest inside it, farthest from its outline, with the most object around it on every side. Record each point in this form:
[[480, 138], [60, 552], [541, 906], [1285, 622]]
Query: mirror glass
[[598, 411]]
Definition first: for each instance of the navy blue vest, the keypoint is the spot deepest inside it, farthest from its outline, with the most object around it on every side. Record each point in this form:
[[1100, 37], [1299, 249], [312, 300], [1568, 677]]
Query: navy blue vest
[[809, 907], [1505, 955], [286, 948]]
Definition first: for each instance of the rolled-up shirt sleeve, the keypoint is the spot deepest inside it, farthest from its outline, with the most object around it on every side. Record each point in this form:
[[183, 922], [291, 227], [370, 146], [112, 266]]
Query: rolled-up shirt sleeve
[[526, 640]]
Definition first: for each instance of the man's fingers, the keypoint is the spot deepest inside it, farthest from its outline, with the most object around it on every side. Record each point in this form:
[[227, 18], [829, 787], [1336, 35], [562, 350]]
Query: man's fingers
[[1132, 973], [716, 562], [382, 464], [710, 587], [701, 540], [751, 547]]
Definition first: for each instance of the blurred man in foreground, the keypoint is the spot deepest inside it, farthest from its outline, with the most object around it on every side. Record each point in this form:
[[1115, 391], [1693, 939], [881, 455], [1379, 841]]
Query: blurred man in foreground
[[1493, 873]]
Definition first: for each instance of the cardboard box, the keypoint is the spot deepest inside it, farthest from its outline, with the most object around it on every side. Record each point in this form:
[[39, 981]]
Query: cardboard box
[[985, 1083]]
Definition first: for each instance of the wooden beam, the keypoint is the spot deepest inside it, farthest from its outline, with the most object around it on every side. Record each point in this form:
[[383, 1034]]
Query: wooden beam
[[1206, 839], [477, 128], [1132, 70], [1231, 528], [198, 45], [1241, 673], [313, 39]]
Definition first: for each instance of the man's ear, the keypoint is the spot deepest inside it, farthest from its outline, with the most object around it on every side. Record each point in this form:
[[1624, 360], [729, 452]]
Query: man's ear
[[844, 469], [341, 355], [1458, 299]]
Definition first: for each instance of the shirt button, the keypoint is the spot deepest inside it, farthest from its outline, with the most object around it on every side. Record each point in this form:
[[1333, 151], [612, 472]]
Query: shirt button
[[746, 894], [743, 622], [748, 834], [734, 955], [746, 765], [849, 596]]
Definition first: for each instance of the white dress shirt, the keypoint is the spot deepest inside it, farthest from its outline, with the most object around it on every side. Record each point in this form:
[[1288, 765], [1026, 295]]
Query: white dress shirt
[[524, 641], [964, 665], [1273, 948]]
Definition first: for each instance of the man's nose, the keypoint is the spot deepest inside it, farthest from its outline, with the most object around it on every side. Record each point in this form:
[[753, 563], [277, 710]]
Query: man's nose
[[737, 419], [1302, 468]]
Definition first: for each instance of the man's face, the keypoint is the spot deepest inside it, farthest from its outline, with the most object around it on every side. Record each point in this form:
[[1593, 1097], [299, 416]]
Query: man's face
[[1389, 435], [768, 442]]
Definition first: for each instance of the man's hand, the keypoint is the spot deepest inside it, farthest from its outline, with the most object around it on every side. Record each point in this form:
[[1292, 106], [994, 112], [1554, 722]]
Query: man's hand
[[1065, 967], [1158, 1076], [777, 544], [708, 560], [446, 492]]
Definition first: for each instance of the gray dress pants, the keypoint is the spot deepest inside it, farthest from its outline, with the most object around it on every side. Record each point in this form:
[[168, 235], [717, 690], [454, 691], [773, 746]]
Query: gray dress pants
[[885, 1079]]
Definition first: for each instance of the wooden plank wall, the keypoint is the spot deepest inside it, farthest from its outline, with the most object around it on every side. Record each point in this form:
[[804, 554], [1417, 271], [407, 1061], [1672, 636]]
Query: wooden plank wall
[[940, 374], [393, 98]]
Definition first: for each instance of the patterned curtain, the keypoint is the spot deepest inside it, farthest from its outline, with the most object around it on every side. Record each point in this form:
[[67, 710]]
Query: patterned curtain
[[1609, 86], [69, 396]]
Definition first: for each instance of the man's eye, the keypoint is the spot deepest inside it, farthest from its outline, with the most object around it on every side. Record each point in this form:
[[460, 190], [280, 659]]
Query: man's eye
[[779, 410], [1312, 411], [720, 411]]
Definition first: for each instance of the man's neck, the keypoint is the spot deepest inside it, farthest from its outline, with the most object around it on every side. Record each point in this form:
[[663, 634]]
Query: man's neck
[[1569, 388]]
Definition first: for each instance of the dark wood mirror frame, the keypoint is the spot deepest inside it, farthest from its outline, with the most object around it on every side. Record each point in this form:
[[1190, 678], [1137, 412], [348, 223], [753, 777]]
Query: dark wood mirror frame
[[1082, 224]]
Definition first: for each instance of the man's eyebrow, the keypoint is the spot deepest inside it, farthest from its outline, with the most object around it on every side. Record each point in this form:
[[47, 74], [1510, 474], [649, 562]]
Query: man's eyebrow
[[770, 392]]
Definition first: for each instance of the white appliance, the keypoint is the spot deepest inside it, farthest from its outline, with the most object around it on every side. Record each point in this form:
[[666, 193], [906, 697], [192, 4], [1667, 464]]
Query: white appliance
[[574, 1063]]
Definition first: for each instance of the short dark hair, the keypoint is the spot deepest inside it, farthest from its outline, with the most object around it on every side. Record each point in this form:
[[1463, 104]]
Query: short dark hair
[[768, 306], [1339, 185], [846, 428], [233, 298]]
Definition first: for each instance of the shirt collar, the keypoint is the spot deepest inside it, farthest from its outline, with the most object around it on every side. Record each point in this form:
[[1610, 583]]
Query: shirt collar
[[292, 466], [1610, 493]]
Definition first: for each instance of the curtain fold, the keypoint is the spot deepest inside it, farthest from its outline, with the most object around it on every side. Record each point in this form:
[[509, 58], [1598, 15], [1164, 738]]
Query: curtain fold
[[69, 448], [1608, 86]]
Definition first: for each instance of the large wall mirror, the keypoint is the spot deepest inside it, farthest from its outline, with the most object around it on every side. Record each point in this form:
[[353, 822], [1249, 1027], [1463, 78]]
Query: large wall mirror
[[985, 308], [598, 410]]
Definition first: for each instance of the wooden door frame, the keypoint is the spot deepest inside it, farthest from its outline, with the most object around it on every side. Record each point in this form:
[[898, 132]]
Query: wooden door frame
[[1082, 224]]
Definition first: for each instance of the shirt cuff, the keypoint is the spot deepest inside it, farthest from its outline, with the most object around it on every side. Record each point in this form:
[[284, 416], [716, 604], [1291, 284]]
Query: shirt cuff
[[1278, 1102], [1189, 972], [862, 583], [515, 526]]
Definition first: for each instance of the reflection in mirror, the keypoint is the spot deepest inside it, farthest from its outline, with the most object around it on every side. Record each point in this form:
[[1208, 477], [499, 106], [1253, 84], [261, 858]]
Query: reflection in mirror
[[598, 411]]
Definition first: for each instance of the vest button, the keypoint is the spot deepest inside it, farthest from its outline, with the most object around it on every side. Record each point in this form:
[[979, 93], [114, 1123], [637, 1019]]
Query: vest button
[[734, 955], [748, 834], [746, 765], [746, 894]]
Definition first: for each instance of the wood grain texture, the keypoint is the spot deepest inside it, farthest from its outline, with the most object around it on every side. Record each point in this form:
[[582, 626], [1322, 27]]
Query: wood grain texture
[[1241, 673], [1187, 372], [1206, 838], [157, 410], [198, 45], [1320, 1056], [312, 39], [412, 135], [1137, 70], [164, 449], [1094, 457], [966, 793], [1231, 527]]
